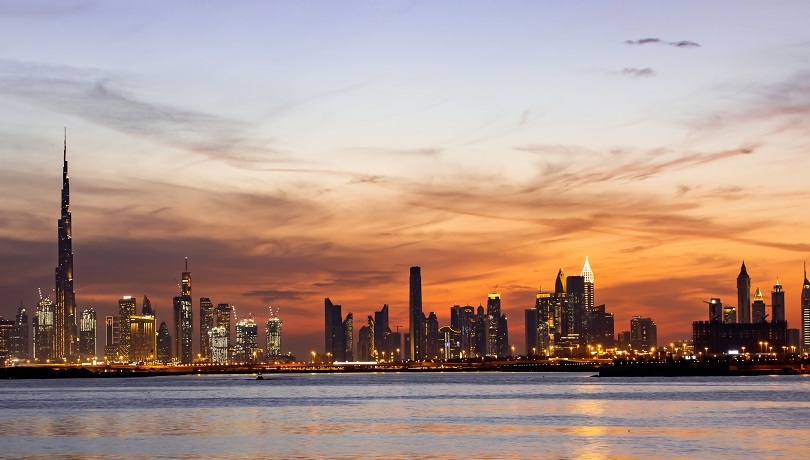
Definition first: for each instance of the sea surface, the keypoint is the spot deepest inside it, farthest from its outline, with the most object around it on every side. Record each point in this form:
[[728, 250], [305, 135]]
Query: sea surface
[[407, 415]]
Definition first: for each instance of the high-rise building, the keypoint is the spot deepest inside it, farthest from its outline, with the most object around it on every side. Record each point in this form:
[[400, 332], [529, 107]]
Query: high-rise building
[[744, 296], [185, 283], [715, 309], [574, 327], [545, 306], [462, 319], [126, 310], [449, 343], [182, 329], [588, 288], [87, 335], [481, 328], [432, 349], [112, 328], [503, 337], [777, 302], [365, 343], [20, 337], [218, 344], [143, 338], [247, 343], [273, 326], [6, 327], [223, 314], [348, 337], [805, 340], [334, 332], [206, 323], [146, 307], [164, 343], [381, 328], [600, 328], [45, 326], [729, 314], [493, 320], [758, 308], [531, 323], [643, 334], [415, 315], [64, 343]]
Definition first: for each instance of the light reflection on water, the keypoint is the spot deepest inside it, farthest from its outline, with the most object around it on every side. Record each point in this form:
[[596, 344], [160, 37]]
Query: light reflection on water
[[451, 415]]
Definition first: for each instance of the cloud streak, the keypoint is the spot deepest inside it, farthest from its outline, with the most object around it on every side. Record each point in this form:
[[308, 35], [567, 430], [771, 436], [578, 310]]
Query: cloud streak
[[658, 41]]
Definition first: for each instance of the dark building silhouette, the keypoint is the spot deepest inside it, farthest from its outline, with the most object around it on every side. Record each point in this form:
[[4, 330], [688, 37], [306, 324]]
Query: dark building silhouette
[[432, 336], [65, 344], [493, 321], [164, 343], [574, 323], [381, 329], [744, 296], [532, 324], [365, 339], [181, 307], [503, 337], [805, 334], [334, 333], [716, 337], [777, 302], [206, 324], [462, 319], [600, 328], [415, 316]]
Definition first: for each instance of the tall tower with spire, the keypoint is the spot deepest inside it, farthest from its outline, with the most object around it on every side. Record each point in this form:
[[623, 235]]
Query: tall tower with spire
[[587, 274], [65, 342], [744, 296], [805, 342]]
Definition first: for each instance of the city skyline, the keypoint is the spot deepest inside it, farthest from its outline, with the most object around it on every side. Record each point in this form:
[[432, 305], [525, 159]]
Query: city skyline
[[324, 162]]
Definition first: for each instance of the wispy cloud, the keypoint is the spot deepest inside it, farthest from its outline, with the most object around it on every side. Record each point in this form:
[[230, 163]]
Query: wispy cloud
[[98, 97], [632, 71], [658, 41]]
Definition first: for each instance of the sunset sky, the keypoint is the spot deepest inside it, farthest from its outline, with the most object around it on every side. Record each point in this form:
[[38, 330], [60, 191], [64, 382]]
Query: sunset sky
[[298, 150]]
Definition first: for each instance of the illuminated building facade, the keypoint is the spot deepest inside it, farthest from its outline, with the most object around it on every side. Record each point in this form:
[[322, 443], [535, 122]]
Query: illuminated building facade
[[206, 323], [223, 314], [729, 314], [758, 314], [247, 333], [181, 334], [45, 336], [643, 334], [744, 297], [348, 337], [64, 344], [164, 343], [415, 316], [6, 326], [462, 319], [126, 310], [20, 346], [143, 338], [493, 321], [588, 286], [88, 328], [805, 333], [449, 343], [218, 338], [273, 331]]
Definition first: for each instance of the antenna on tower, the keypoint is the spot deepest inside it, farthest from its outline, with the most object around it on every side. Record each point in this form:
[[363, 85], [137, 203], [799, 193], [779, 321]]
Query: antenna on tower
[[65, 151], [186, 263]]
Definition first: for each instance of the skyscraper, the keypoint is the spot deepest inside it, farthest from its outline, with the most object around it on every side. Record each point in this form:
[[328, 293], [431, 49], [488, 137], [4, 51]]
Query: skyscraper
[[87, 335], [20, 336], [112, 337], [64, 343], [758, 308], [206, 323], [146, 307], [273, 326], [805, 342], [218, 344], [45, 336], [531, 325], [744, 296], [381, 328], [462, 319], [126, 310], [6, 327], [575, 307], [164, 343], [415, 315], [643, 333], [223, 320], [348, 337], [183, 317], [247, 338], [777, 302], [493, 321], [143, 338], [334, 332], [432, 349], [588, 287]]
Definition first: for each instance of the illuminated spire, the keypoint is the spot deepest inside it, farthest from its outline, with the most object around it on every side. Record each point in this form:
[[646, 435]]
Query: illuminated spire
[[587, 273], [758, 295]]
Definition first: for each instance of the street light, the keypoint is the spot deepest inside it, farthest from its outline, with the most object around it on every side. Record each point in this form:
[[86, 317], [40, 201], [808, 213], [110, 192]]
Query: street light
[[313, 357]]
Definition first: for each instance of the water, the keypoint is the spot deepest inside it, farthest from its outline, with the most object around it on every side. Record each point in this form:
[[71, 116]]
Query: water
[[413, 415]]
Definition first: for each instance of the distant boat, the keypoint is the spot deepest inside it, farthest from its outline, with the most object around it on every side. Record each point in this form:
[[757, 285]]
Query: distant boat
[[259, 377]]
